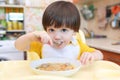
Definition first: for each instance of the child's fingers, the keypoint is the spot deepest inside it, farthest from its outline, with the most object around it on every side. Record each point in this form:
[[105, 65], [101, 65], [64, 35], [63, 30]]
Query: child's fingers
[[50, 42], [83, 58], [45, 40], [86, 58]]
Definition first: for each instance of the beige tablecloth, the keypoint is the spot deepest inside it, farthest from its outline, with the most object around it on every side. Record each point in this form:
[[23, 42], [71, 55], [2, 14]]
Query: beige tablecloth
[[99, 70]]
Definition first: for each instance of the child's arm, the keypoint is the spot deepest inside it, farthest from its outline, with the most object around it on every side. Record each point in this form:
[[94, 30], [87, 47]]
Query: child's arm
[[88, 57], [23, 42]]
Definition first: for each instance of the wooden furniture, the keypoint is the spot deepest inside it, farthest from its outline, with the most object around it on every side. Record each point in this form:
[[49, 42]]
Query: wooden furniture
[[110, 52], [111, 56]]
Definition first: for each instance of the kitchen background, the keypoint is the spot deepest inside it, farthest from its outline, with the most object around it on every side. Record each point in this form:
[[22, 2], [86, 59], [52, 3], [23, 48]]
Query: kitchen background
[[99, 19], [101, 23]]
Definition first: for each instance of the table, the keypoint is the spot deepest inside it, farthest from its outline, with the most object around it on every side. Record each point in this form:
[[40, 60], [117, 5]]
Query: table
[[104, 44], [110, 52], [98, 70]]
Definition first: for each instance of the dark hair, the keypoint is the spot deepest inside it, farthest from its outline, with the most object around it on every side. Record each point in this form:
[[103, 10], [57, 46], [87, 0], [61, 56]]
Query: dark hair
[[61, 13]]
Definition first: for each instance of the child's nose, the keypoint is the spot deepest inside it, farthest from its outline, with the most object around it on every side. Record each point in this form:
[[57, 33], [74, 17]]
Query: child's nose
[[57, 36]]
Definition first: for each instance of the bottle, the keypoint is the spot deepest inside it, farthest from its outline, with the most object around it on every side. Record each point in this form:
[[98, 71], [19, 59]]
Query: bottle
[[92, 34], [15, 25], [20, 26], [9, 25]]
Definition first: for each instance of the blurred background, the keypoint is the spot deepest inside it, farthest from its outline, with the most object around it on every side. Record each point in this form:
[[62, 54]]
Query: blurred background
[[100, 22]]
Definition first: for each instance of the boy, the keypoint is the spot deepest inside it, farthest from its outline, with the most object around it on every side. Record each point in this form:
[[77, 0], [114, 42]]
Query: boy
[[61, 21]]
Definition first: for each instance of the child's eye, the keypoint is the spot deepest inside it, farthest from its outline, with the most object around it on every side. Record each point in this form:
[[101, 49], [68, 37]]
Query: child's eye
[[51, 30], [64, 30]]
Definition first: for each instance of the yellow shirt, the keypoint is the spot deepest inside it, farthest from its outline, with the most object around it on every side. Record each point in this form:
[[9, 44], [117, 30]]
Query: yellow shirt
[[73, 50]]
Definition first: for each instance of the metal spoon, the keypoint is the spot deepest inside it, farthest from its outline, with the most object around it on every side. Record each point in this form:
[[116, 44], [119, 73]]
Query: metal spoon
[[57, 43]]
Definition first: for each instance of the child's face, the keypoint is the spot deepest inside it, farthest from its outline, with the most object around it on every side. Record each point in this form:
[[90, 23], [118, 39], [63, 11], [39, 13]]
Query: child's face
[[60, 36]]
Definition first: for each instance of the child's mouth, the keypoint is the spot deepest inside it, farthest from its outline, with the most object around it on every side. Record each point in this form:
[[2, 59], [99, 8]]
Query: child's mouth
[[58, 42]]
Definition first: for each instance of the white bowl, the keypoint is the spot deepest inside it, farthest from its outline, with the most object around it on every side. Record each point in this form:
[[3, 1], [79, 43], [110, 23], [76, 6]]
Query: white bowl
[[37, 63], [44, 77]]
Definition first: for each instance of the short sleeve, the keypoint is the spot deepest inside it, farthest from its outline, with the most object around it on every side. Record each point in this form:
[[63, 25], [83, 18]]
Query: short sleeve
[[36, 47]]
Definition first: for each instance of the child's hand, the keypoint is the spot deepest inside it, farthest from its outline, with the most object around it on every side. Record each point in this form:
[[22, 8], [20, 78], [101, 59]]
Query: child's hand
[[43, 37], [86, 58]]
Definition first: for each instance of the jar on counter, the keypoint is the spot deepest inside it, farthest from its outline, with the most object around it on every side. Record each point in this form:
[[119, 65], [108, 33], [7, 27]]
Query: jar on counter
[[9, 25], [20, 26], [15, 25]]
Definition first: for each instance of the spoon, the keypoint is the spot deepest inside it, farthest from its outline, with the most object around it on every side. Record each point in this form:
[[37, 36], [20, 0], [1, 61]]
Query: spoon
[[57, 43]]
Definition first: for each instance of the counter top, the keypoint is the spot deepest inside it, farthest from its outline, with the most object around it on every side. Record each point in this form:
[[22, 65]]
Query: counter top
[[7, 46], [104, 44], [98, 70]]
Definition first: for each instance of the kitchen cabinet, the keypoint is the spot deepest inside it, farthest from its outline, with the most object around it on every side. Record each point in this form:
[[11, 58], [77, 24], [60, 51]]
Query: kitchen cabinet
[[12, 20], [13, 15], [11, 27], [9, 52], [111, 52], [111, 56]]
